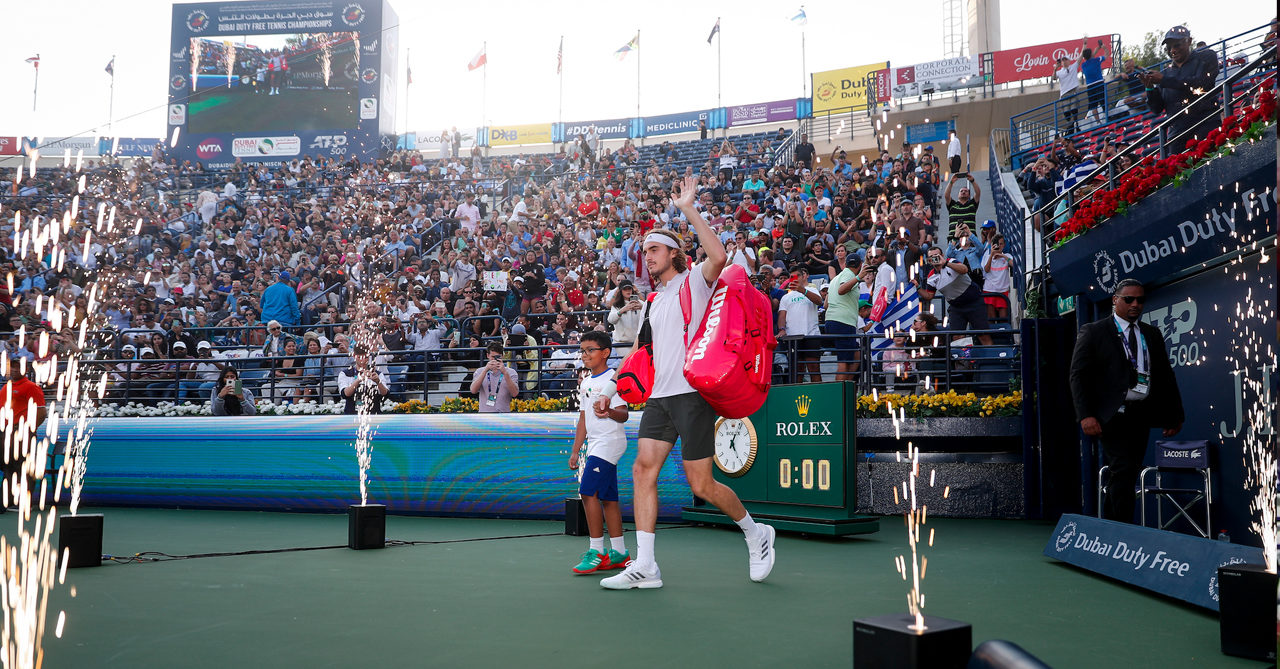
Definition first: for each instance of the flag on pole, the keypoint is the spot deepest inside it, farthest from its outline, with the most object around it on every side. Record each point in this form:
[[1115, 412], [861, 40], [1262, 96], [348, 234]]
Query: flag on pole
[[714, 29], [560, 57], [35, 61], [408, 73], [479, 61], [800, 19], [111, 67], [621, 54]]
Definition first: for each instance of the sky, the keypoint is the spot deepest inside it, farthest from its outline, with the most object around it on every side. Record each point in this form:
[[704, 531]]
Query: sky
[[761, 55]]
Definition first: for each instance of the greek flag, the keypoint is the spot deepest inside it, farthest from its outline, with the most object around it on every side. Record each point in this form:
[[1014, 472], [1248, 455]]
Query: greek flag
[[1076, 174], [900, 314]]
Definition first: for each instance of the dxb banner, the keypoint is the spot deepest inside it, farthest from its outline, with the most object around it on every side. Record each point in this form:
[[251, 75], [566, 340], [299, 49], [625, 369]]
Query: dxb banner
[[843, 88], [510, 135]]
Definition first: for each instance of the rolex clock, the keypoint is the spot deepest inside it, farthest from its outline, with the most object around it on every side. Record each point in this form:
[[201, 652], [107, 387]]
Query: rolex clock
[[736, 446], [792, 463]]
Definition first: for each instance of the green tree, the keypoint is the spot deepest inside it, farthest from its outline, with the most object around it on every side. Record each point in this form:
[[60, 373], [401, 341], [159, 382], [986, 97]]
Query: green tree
[[1149, 51]]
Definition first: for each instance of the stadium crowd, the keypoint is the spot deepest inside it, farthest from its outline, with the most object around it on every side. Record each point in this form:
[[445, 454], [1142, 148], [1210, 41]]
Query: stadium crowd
[[530, 249]]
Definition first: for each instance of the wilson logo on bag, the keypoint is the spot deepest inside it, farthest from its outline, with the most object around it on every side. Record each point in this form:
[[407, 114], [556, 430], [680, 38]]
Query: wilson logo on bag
[[730, 361]]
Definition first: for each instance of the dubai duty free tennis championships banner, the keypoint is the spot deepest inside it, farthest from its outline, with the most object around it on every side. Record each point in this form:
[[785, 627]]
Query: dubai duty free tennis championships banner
[[843, 88]]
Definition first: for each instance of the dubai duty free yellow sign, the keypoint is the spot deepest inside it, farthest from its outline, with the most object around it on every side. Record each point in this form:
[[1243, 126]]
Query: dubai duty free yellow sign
[[843, 88], [509, 135]]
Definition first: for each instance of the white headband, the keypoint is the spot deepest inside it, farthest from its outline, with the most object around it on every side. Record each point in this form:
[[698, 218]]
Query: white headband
[[661, 239]]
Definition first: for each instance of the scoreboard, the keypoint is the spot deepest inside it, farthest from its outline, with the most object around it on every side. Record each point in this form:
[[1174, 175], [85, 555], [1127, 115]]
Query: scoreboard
[[792, 463]]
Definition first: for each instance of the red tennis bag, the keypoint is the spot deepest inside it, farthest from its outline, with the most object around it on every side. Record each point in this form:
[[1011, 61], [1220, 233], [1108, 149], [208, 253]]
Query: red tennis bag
[[635, 375], [730, 358]]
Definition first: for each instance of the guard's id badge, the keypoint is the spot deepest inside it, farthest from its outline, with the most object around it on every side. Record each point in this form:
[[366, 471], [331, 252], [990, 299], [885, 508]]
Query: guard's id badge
[[1142, 387], [493, 400]]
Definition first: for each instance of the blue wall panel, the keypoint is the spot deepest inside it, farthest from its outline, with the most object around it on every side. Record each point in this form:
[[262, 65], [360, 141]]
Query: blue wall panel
[[509, 465]]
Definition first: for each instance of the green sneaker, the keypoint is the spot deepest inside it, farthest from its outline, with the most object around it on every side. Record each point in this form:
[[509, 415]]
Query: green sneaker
[[615, 560], [591, 561]]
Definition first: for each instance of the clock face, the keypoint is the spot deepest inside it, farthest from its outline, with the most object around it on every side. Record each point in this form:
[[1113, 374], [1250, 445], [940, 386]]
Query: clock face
[[735, 445]]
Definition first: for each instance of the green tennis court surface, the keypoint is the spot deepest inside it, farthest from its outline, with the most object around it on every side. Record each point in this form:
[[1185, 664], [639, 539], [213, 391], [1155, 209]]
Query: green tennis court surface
[[512, 602]]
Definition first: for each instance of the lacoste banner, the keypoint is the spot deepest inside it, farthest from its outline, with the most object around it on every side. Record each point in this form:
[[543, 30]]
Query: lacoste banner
[[1177, 565]]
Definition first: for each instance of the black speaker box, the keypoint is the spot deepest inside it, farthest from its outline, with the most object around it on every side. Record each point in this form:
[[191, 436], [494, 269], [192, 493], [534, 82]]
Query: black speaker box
[[575, 517], [82, 534], [366, 526], [888, 641], [1247, 611]]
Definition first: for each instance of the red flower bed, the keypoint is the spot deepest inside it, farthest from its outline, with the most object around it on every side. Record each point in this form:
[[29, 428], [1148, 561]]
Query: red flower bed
[[1151, 174]]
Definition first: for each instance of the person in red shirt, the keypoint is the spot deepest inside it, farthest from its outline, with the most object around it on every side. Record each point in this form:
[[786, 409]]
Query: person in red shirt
[[17, 399]]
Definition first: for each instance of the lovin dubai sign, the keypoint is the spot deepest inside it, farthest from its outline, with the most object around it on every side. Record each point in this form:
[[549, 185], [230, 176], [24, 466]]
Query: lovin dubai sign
[[1177, 565]]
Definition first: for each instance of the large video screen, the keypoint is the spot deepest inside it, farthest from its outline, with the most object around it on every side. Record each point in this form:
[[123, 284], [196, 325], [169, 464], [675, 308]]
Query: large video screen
[[275, 83]]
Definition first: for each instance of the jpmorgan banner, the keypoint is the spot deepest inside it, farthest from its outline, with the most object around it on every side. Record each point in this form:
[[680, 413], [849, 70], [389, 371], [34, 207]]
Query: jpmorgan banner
[[843, 88]]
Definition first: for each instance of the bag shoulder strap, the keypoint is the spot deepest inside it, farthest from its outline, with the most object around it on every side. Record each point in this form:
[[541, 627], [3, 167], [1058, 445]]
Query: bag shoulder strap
[[645, 336]]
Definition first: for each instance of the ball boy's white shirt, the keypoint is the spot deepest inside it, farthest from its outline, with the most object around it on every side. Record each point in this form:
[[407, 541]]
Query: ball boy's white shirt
[[606, 438]]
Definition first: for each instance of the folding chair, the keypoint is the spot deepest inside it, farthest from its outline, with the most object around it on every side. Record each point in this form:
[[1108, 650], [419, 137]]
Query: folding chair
[[1178, 457]]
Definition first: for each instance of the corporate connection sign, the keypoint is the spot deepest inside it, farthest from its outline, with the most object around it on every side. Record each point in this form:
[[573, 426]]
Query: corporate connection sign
[[276, 80], [843, 88]]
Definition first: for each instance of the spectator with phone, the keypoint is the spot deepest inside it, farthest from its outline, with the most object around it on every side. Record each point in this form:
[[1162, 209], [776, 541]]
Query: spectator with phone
[[495, 384], [1180, 85], [963, 209], [229, 397], [626, 313], [965, 307]]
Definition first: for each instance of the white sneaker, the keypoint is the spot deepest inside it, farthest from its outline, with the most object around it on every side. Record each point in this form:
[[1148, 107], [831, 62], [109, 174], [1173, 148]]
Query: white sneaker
[[634, 577], [762, 553]]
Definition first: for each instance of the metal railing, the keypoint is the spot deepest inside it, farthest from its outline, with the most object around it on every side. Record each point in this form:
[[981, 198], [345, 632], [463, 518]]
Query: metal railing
[[1111, 168], [1031, 130], [932, 362]]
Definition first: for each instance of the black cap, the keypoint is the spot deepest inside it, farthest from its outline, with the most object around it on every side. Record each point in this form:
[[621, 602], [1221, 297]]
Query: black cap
[[1177, 32]]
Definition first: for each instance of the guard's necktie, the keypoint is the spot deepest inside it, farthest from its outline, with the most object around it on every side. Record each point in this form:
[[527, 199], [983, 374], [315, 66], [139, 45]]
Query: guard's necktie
[[1133, 344]]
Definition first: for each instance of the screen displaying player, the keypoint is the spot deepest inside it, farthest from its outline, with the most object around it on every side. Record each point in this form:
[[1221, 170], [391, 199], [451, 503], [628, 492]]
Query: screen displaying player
[[275, 83]]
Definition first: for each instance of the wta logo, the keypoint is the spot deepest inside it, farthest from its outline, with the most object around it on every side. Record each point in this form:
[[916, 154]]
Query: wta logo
[[209, 148], [713, 321]]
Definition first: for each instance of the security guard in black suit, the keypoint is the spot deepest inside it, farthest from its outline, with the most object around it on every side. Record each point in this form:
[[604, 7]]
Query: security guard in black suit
[[1122, 386]]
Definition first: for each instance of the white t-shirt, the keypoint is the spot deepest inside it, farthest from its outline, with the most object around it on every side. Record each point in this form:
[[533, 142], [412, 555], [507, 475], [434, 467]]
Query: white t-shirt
[[743, 257], [606, 438], [669, 339], [802, 314], [997, 279], [1068, 79], [953, 149]]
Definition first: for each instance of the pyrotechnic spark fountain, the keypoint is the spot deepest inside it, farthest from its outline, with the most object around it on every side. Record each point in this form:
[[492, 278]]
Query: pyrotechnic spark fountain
[[30, 565], [195, 63], [229, 59], [1254, 361], [355, 39], [325, 52], [916, 517]]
